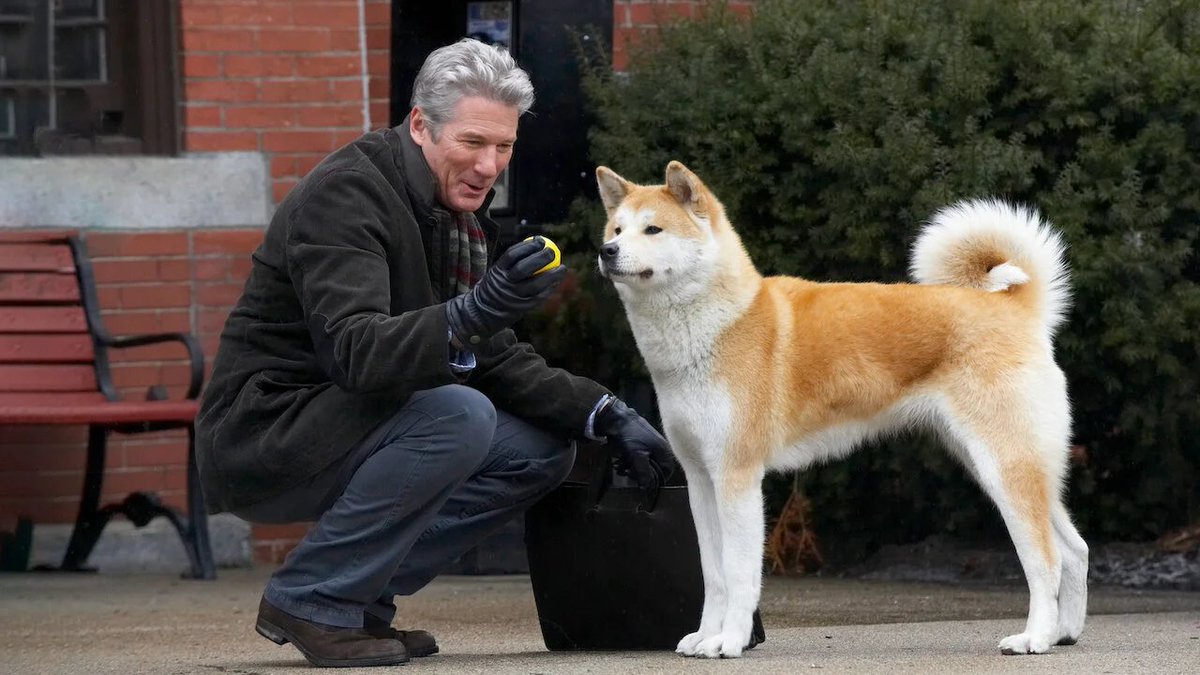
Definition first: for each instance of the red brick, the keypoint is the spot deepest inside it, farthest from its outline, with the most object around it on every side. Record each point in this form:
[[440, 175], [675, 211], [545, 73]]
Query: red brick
[[345, 90], [39, 484], [110, 271], [259, 65], [140, 376], [44, 459], [283, 165], [380, 114], [211, 321], [330, 116], [289, 531], [217, 294], [379, 38], [379, 13], [23, 435], [281, 188], [165, 351], [220, 91], [195, 116], [157, 454], [306, 91], [260, 116], [298, 141], [155, 296], [201, 65], [305, 163], [294, 40], [220, 141], [236, 241], [329, 66], [120, 482], [379, 87], [141, 322], [341, 138], [192, 15], [217, 40], [325, 14], [143, 244], [379, 64], [341, 40], [256, 15]]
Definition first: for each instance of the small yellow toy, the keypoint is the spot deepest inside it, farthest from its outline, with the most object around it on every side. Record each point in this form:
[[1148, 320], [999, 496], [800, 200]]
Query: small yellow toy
[[557, 255]]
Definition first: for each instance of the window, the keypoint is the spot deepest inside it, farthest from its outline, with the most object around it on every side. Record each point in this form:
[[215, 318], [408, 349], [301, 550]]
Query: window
[[87, 77]]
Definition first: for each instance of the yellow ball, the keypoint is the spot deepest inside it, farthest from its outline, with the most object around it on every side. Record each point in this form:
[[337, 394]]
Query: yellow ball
[[557, 255]]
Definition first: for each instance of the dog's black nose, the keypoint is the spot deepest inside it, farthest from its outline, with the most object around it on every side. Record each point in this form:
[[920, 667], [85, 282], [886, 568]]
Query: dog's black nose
[[609, 250]]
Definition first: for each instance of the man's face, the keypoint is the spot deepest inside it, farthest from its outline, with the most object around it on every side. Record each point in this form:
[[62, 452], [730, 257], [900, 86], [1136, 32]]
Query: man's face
[[470, 152]]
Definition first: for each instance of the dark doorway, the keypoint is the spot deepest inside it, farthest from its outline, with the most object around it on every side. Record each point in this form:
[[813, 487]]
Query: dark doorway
[[551, 166]]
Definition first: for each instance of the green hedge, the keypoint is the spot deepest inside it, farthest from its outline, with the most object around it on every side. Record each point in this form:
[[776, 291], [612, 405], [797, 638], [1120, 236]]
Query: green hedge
[[832, 129]]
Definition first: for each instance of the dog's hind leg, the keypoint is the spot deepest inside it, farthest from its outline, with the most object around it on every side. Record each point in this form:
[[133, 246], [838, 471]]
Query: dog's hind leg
[[1015, 474], [1072, 591], [702, 497], [740, 512]]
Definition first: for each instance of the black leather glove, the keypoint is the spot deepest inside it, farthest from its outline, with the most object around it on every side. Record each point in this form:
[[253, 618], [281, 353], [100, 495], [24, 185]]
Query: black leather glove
[[507, 291], [644, 453]]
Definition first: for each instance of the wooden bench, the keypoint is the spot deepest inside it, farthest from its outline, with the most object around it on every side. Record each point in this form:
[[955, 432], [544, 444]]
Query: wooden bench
[[54, 370]]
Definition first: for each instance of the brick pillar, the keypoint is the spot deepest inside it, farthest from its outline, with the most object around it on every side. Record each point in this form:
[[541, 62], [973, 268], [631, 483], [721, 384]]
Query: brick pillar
[[285, 78]]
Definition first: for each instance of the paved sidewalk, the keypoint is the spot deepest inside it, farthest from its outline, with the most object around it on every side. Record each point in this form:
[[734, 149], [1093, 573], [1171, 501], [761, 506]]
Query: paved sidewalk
[[66, 623]]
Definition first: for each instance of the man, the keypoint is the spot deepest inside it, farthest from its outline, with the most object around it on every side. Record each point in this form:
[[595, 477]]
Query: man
[[368, 379]]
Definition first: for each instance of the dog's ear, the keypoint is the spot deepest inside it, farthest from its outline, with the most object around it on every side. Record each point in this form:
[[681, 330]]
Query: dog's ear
[[686, 187], [613, 188]]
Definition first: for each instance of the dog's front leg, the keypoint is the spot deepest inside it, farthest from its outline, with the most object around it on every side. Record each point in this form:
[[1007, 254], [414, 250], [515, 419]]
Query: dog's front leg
[[740, 514], [703, 500]]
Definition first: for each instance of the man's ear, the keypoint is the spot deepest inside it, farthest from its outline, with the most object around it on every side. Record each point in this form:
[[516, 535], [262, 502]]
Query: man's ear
[[686, 188], [613, 188], [417, 126]]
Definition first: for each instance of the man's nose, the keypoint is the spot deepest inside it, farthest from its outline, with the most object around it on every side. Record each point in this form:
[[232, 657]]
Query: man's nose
[[609, 250], [488, 164]]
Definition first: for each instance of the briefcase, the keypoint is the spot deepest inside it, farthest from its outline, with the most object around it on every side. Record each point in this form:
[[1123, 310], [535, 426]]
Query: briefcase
[[614, 567]]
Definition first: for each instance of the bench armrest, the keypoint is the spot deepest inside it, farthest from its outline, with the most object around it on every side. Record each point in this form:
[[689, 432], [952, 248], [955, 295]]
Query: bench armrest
[[195, 353]]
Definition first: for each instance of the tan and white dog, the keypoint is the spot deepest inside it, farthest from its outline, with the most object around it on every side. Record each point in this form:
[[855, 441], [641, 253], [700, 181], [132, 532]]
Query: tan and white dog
[[755, 374]]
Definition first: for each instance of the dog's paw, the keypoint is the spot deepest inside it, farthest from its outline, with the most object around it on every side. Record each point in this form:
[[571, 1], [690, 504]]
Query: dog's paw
[[1025, 643], [723, 645], [687, 646]]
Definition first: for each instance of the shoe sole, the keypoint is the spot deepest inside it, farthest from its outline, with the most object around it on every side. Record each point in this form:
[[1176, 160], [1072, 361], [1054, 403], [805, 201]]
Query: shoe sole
[[281, 637]]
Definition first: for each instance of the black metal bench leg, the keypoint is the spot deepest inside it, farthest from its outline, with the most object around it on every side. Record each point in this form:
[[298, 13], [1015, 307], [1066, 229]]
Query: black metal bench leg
[[90, 521], [197, 541]]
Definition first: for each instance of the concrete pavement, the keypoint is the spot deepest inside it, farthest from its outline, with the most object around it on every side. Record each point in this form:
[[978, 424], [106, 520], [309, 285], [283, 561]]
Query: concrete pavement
[[70, 623]]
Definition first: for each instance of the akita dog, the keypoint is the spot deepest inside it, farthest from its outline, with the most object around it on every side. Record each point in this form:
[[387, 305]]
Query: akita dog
[[755, 374]]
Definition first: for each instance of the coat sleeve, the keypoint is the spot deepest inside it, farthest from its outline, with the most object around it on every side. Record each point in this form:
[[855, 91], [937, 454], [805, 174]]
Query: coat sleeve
[[337, 257], [518, 380]]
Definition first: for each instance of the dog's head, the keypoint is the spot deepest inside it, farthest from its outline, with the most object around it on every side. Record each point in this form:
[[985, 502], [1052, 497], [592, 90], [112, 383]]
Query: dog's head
[[659, 237]]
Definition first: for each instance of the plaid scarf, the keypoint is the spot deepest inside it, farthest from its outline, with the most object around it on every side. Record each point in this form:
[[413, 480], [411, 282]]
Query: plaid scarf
[[466, 254]]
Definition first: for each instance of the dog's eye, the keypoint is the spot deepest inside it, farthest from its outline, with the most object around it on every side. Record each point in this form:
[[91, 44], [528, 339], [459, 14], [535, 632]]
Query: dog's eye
[[653, 229], [617, 231]]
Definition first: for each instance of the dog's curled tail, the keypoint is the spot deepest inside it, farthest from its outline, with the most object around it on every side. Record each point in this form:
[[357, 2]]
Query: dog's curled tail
[[995, 246]]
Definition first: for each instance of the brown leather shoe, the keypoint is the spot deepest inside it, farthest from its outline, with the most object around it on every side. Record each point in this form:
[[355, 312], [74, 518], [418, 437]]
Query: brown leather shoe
[[328, 646], [417, 642]]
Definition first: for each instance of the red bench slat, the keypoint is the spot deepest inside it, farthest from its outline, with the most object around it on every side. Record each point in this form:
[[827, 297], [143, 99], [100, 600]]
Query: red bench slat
[[33, 348], [36, 258], [90, 408], [15, 319], [47, 378], [38, 287]]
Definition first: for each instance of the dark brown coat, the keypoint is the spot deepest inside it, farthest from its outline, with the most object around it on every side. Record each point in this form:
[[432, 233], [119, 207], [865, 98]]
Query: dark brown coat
[[338, 324]]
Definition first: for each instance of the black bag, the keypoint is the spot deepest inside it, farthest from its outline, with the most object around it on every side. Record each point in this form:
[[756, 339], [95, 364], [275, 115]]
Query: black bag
[[615, 568]]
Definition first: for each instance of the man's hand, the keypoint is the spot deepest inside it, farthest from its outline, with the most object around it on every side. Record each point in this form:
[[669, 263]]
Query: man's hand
[[507, 291], [644, 453]]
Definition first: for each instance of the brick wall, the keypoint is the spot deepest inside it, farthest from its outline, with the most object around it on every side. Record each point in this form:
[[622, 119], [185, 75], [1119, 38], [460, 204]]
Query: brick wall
[[633, 20], [282, 77]]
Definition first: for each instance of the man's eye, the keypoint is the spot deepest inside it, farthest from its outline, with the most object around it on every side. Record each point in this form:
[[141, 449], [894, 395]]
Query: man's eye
[[653, 229], [504, 148]]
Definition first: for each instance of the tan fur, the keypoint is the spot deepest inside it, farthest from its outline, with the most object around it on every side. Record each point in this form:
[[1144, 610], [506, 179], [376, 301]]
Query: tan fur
[[798, 362]]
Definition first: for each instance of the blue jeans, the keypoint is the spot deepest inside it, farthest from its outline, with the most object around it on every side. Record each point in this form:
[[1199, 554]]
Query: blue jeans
[[445, 472]]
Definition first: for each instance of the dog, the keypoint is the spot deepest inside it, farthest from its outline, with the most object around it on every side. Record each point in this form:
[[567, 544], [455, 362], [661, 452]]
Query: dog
[[758, 373]]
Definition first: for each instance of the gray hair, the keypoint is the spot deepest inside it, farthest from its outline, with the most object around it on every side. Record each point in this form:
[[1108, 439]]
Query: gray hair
[[468, 68]]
